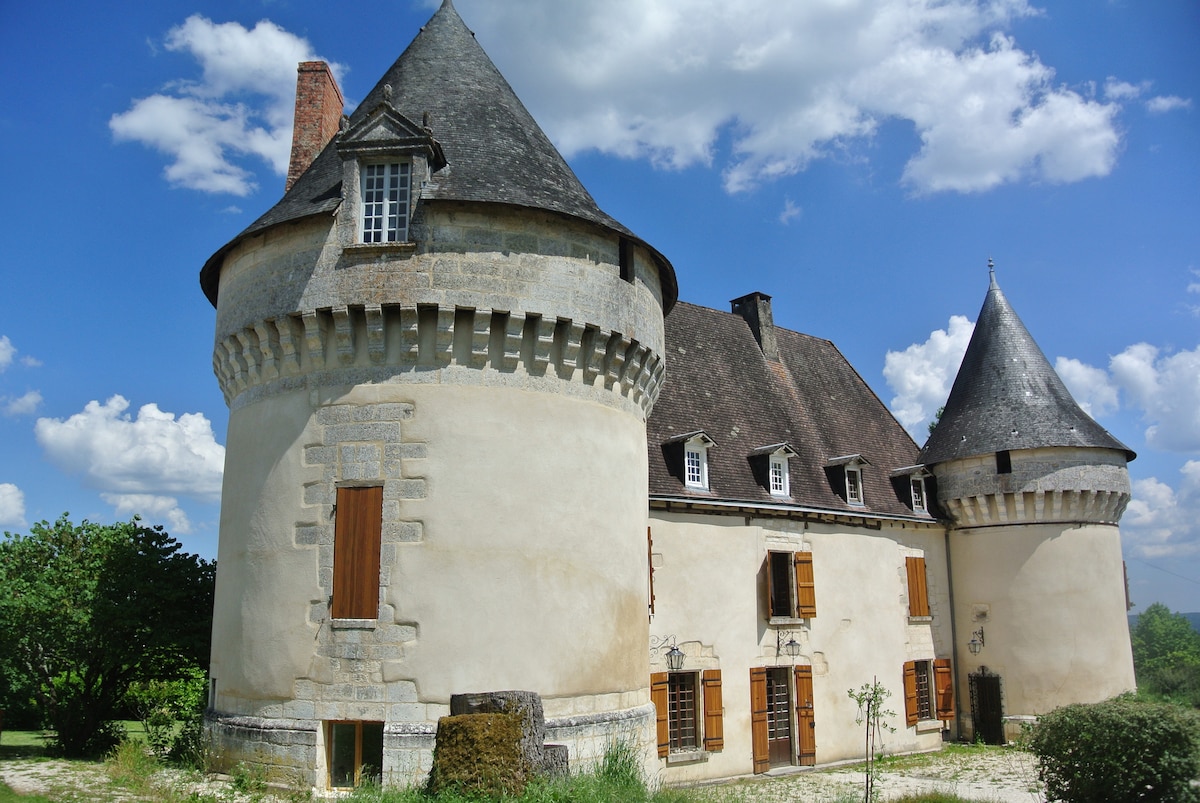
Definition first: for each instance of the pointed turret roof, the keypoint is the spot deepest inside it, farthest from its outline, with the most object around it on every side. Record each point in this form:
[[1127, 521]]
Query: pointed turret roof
[[495, 150], [1007, 396]]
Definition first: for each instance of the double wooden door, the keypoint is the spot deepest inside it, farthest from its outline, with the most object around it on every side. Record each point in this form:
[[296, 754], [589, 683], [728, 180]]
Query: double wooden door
[[778, 738]]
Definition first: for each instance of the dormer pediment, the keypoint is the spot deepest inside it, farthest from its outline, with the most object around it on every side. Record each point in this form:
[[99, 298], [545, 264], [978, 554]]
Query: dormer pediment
[[387, 132]]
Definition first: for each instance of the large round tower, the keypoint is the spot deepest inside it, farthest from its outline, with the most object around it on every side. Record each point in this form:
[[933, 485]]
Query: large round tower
[[438, 355], [1035, 489]]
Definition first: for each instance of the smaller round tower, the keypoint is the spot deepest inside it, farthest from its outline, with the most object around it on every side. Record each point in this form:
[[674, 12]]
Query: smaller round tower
[[1034, 489]]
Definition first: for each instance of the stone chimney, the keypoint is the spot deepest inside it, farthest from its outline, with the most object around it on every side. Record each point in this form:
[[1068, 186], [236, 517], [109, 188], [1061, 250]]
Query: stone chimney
[[319, 106], [756, 309]]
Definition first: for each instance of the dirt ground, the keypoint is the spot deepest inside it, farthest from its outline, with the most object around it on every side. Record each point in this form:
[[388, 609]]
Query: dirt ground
[[988, 775]]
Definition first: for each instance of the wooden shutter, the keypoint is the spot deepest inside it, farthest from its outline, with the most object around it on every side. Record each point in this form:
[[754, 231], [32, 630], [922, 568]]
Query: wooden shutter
[[943, 684], [714, 711], [806, 724], [918, 592], [659, 685], [356, 540], [910, 692], [758, 719], [806, 593]]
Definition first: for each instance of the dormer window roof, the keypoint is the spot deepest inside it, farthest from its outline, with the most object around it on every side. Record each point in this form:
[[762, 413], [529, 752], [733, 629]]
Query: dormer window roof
[[770, 465]]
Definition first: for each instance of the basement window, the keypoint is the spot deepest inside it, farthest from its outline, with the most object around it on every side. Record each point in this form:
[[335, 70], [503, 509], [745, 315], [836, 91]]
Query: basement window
[[355, 753]]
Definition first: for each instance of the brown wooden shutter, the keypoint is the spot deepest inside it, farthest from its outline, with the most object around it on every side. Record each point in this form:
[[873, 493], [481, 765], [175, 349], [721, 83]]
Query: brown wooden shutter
[[758, 719], [659, 686], [714, 711], [943, 684], [806, 592], [650, 566], [356, 541], [806, 724], [918, 592], [910, 692]]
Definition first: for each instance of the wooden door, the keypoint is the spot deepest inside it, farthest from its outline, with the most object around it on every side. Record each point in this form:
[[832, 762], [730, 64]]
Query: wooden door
[[806, 725], [758, 719], [779, 716]]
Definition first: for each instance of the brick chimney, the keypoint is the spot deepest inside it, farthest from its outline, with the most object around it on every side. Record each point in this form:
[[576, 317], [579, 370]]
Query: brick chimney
[[319, 106], [756, 309]]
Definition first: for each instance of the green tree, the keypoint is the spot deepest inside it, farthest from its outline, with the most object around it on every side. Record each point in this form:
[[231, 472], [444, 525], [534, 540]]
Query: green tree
[[86, 610], [1162, 639]]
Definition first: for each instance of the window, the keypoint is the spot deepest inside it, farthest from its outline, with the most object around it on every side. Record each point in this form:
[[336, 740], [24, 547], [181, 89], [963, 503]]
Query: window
[[791, 592], [778, 474], [625, 258], [1003, 462], [695, 458], [690, 711], [385, 199], [918, 494], [854, 494], [918, 592], [356, 542], [928, 691], [355, 753]]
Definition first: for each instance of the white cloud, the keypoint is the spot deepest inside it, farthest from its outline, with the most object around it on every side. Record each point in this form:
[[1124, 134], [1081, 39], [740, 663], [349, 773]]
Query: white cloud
[[790, 212], [1167, 389], [153, 509], [12, 505], [7, 352], [155, 453], [922, 374], [795, 82], [241, 106], [1090, 386], [22, 405], [1115, 89], [1162, 521], [1167, 103]]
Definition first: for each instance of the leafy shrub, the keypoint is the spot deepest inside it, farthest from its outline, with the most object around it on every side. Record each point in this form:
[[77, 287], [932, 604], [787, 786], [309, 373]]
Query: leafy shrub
[[1119, 750]]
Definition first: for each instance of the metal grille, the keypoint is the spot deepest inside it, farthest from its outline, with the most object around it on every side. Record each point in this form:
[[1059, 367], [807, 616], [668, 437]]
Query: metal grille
[[924, 707], [779, 720], [682, 710]]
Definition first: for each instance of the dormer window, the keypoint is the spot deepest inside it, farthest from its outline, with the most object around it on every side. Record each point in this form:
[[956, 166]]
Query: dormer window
[[911, 480], [770, 464], [846, 471], [385, 202], [688, 456]]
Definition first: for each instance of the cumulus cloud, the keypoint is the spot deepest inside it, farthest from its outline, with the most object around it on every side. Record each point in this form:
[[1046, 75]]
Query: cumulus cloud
[[1090, 386], [241, 106], [153, 509], [1167, 389], [922, 374], [794, 82], [1167, 103], [1162, 521], [7, 352], [22, 405], [155, 453], [12, 505]]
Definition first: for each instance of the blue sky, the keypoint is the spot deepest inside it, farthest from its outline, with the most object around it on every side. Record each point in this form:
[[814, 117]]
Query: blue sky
[[860, 162]]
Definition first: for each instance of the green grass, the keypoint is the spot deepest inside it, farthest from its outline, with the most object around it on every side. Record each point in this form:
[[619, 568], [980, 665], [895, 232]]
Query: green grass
[[7, 795]]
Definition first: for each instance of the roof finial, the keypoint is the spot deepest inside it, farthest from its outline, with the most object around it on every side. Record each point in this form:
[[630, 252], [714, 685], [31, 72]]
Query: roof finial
[[991, 273]]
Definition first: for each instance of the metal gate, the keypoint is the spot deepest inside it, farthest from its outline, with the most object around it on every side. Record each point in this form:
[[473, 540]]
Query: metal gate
[[987, 708]]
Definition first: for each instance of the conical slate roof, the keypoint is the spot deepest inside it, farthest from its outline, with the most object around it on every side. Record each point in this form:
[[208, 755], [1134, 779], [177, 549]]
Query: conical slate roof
[[1007, 396], [495, 150]]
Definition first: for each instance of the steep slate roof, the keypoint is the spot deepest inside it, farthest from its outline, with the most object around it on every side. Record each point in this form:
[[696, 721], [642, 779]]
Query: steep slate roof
[[1006, 396], [497, 153], [719, 381]]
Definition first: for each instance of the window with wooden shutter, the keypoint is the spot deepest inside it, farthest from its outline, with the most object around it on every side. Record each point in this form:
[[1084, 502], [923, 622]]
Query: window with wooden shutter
[[918, 591], [356, 540], [910, 693], [943, 682], [806, 595], [759, 707], [659, 685], [714, 711]]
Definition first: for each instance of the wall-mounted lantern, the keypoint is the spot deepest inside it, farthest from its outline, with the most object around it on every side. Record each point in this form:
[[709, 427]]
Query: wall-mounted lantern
[[976, 643], [673, 657], [791, 647]]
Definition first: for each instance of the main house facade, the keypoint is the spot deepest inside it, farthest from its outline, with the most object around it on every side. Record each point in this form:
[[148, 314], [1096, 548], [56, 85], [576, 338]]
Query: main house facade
[[476, 444]]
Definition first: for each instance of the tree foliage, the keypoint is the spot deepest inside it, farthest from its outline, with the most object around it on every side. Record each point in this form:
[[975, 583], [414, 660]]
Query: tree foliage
[[1166, 655], [1117, 751], [86, 610]]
